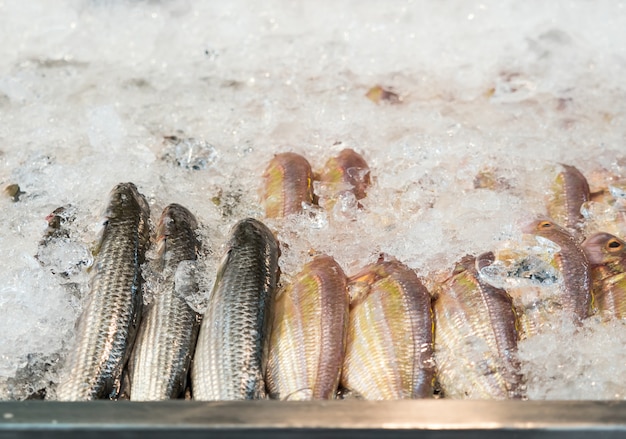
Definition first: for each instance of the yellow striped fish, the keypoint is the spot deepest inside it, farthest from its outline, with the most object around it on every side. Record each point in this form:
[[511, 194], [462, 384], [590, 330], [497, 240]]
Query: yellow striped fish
[[308, 336], [288, 183], [390, 338], [476, 336]]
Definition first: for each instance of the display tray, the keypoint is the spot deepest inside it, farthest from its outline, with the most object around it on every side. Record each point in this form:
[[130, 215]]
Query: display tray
[[330, 419]]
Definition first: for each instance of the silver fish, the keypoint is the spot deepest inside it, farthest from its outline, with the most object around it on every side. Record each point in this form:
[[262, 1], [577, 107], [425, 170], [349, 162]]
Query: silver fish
[[107, 326], [159, 364], [231, 353]]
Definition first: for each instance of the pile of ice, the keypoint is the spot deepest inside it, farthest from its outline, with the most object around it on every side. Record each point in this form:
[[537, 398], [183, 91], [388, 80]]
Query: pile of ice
[[190, 100]]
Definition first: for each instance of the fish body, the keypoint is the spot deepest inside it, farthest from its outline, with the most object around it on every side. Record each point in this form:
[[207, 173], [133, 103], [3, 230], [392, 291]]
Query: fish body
[[389, 353], [607, 255], [160, 361], [108, 324], [476, 336], [569, 192], [346, 173], [231, 353], [308, 335], [288, 183], [573, 265]]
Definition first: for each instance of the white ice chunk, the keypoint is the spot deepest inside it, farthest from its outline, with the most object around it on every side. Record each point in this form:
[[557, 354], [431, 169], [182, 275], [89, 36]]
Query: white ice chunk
[[105, 130], [37, 316], [571, 362], [191, 153], [64, 256]]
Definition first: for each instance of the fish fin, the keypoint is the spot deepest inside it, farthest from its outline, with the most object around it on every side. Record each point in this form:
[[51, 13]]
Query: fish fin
[[102, 233], [222, 265], [305, 394], [125, 386]]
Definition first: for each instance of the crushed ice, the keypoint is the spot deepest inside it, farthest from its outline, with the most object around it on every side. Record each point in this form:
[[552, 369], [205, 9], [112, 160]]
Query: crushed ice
[[190, 101]]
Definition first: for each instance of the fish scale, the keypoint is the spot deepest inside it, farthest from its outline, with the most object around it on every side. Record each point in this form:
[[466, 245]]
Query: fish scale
[[390, 335], [288, 183], [160, 361], [569, 192], [476, 338], [308, 335], [229, 362], [107, 326]]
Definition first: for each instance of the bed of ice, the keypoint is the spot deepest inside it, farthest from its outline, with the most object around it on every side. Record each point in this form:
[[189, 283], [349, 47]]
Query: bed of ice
[[189, 100]]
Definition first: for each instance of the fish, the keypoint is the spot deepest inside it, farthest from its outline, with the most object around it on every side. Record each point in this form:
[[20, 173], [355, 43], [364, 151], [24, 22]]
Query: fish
[[378, 94], [572, 263], [569, 192], [231, 353], [389, 354], [58, 220], [476, 336], [288, 183], [347, 173], [607, 255], [159, 364], [308, 337], [108, 324]]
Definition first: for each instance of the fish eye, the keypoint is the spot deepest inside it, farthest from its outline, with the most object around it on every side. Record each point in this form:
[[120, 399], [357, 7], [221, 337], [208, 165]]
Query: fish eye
[[614, 244], [545, 225]]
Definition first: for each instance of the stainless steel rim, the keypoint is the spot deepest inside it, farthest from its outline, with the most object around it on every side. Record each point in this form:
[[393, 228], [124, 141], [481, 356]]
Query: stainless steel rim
[[260, 419]]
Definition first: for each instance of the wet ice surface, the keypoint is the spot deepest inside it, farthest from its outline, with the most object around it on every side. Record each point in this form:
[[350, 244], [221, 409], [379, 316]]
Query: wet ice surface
[[190, 102], [566, 362]]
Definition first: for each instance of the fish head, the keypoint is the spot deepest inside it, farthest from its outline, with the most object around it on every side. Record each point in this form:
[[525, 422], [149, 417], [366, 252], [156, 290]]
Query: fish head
[[125, 199], [174, 219], [539, 226], [467, 262], [287, 184], [347, 171], [602, 247], [359, 285], [545, 228]]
